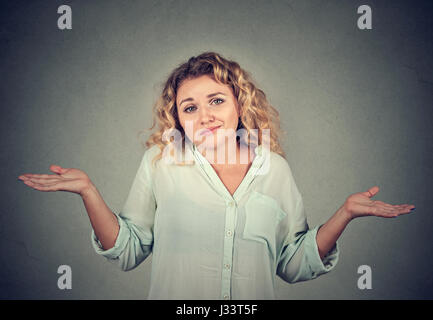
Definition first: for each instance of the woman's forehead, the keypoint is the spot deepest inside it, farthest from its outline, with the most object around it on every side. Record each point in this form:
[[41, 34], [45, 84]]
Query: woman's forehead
[[201, 86]]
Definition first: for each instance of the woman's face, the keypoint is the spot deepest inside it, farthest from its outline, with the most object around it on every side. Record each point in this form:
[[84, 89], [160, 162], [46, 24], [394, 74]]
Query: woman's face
[[203, 103]]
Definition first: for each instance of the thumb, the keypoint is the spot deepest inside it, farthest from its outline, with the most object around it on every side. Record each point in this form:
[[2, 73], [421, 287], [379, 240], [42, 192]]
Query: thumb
[[371, 192], [57, 169]]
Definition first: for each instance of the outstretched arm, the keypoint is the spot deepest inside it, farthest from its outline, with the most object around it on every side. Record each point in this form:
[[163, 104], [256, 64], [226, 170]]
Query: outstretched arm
[[356, 205]]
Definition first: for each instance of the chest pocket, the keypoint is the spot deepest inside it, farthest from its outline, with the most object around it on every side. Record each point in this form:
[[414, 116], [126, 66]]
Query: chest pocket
[[262, 215]]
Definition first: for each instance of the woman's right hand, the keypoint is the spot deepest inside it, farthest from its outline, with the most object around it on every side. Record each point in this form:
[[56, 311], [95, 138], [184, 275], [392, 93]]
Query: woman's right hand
[[64, 179]]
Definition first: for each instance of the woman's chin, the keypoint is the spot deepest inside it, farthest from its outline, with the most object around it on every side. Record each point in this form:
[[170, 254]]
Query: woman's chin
[[216, 150], [212, 143]]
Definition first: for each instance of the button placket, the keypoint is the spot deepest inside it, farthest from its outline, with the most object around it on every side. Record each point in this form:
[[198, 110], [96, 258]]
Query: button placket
[[231, 209], [228, 248]]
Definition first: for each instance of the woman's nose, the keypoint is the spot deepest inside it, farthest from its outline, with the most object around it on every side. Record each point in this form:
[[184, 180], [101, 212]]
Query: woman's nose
[[206, 116]]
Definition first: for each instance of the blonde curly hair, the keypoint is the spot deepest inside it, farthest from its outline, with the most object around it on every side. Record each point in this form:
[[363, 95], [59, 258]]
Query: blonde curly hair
[[255, 111]]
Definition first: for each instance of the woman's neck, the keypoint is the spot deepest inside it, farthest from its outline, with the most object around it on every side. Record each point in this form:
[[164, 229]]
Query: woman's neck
[[232, 161]]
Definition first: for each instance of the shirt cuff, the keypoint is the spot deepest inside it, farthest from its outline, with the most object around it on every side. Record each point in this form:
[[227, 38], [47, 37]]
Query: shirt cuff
[[318, 266], [120, 244]]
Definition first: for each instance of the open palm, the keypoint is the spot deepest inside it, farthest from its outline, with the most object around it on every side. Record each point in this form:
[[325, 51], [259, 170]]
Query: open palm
[[360, 204], [64, 179]]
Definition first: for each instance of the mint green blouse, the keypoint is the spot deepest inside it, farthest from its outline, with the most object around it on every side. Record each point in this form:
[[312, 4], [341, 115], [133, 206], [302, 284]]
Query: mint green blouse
[[206, 243]]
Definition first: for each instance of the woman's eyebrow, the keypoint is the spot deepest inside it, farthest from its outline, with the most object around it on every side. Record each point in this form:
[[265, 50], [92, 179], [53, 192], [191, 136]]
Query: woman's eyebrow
[[208, 96]]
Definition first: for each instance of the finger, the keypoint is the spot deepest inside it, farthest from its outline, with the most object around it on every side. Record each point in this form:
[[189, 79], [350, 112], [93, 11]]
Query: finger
[[399, 209], [403, 208], [42, 187], [37, 176], [57, 169], [410, 206], [388, 213], [383, 203], [59, 185], [371, 192], [406, 208], [385, 213], [404, 212], [395, 207], [33, 175], [43, 180], [24, 176], [385, 207], [33, 185]]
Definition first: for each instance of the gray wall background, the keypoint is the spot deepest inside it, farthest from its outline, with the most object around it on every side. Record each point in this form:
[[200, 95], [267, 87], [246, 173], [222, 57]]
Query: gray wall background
[[356, 105]]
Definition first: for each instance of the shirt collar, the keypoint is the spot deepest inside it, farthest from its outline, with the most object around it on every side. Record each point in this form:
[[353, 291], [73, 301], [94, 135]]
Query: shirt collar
[[260, 152]]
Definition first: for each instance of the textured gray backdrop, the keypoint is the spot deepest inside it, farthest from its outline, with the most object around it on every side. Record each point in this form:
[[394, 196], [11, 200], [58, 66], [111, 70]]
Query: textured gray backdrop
[[356, 105]]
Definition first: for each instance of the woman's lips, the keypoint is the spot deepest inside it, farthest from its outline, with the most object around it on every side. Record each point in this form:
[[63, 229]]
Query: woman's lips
[[209, 131]]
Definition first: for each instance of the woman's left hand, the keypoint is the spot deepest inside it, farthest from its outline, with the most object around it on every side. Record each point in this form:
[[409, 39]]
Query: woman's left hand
[[360, 205]]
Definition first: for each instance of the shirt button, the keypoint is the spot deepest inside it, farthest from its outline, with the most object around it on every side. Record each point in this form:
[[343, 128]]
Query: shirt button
[[227, 266], [229, 233], [231, 203], [226, 297]]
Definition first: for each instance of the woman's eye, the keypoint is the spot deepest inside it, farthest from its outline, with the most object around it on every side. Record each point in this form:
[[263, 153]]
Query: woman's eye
[[189, 108], [186, 109], [219, 99]]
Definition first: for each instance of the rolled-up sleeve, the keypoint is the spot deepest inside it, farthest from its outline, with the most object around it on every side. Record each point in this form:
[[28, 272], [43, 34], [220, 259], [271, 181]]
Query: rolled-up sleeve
[[135, 238], [299, 258]]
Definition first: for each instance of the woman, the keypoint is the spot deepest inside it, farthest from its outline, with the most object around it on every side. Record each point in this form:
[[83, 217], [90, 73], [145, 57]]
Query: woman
[[227, 218]]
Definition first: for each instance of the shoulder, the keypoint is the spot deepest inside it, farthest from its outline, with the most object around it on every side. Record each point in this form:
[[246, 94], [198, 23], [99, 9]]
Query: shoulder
[[152, 151], [278, 164], [280, 172], [149, 154]]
